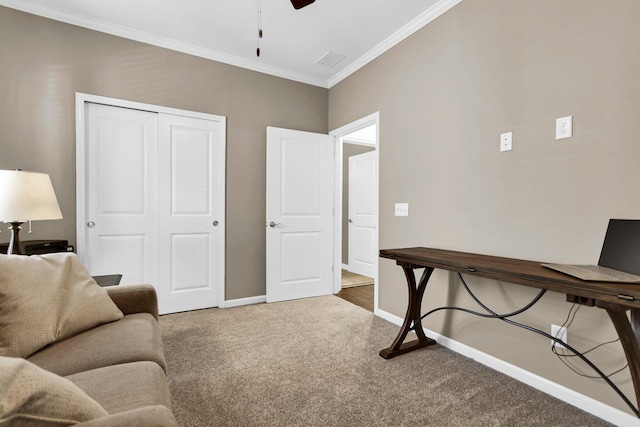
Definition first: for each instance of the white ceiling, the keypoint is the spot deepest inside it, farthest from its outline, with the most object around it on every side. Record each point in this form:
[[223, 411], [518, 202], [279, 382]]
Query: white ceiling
[[227, 31]]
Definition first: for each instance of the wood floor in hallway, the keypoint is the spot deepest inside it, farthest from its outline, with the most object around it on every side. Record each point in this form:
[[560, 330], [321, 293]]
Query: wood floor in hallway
[[359, 295]]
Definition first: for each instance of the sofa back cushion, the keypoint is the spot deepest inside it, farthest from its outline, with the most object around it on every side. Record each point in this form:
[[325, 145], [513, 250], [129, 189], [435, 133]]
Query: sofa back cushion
[[32, 396], [46, 298]]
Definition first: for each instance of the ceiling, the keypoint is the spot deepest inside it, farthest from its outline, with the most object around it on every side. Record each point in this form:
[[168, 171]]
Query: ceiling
[[227, 31]]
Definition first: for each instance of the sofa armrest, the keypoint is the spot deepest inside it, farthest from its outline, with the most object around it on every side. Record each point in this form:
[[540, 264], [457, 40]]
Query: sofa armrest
[[132, 299], [148, 416]]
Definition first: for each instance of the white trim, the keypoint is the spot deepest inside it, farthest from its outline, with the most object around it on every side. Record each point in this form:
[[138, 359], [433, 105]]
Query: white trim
[[245, 301], [105, 27], [369, 120], [345, 267], [420, 21], [373, 118], [391, 318], [97, 99], [81, 100], [155, 40], [81, 179], [567, 395], [356, 141]]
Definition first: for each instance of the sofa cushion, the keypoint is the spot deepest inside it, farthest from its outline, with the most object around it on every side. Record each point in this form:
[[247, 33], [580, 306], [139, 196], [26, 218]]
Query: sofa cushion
[[150, 416], [46, 298], [32, 396], [127, 386], [134, 338]]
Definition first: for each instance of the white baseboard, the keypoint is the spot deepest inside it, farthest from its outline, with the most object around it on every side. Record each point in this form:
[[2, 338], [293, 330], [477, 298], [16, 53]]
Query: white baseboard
[[244, 301], [345, 267], [572, 397]]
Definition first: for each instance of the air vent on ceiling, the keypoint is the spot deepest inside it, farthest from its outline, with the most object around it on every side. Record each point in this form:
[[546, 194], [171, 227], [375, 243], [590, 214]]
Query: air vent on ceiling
[[330, 59]]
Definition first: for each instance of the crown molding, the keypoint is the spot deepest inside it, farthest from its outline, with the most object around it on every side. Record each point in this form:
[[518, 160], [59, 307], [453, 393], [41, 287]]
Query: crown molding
[[423, 19], [420, 21], [140, 36]]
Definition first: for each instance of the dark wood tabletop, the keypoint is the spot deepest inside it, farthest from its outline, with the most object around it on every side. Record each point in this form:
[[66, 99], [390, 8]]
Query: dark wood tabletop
[[518, 271]]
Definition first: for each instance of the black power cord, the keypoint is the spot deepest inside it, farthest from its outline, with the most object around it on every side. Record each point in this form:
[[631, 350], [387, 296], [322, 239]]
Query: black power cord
[[505, 318], [563, 356]]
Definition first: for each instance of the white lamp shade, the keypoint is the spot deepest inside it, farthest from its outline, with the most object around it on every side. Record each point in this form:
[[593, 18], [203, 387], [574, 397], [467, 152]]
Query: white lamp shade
[[27, 196]]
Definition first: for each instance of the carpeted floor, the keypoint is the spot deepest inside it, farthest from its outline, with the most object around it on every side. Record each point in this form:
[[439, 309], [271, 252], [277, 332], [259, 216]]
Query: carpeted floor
[[315, 362]]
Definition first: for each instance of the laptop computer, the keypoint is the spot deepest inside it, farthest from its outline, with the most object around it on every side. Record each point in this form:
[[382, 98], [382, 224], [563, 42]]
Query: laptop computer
[[619, 258]]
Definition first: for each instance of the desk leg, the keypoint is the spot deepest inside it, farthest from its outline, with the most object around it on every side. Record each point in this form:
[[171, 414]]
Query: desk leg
[[413, 316], [629, 334]]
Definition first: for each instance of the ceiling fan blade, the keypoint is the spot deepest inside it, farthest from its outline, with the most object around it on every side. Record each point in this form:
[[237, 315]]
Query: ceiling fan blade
[[299, 4]]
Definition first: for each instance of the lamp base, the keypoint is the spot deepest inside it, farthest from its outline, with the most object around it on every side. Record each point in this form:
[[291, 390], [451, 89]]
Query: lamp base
[[15, 247]]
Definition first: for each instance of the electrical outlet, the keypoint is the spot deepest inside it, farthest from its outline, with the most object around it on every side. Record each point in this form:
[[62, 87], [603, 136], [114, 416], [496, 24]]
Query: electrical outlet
[[402, 209], [506, 141], [560, 333], [564, 127]]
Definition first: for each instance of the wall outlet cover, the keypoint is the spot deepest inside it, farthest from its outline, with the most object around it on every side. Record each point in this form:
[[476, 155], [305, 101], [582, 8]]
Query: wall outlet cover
[[560, 333], [564, 127]]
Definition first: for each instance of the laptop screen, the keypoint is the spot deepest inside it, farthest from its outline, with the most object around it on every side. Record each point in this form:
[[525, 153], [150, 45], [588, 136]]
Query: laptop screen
[[621, 247]]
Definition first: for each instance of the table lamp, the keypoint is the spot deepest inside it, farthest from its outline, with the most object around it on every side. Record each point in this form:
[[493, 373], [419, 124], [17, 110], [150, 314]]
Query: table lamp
[[25, 196]]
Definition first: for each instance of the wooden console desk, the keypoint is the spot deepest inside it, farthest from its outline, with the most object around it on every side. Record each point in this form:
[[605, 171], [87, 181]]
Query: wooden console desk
[[615, 298]]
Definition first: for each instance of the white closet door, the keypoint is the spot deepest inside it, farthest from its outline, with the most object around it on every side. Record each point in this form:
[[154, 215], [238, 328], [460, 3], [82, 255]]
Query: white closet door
[[151, 199], [191, 212], [121, 218]]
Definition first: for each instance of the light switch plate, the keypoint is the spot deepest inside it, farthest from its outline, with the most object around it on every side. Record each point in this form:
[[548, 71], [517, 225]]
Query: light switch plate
[[402, 209]]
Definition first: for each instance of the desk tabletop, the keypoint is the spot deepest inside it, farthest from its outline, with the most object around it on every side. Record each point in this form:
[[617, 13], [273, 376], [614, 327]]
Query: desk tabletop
[[517, 271]]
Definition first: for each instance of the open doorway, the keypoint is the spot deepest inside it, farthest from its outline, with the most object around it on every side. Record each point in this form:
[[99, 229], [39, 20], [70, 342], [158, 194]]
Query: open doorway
[[357, 176]]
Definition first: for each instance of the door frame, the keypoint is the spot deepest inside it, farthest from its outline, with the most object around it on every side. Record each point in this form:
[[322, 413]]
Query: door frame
[[81, 100], [371, 119]]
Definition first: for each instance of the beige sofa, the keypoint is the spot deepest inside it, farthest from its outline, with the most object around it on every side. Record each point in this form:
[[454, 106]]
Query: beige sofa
[[119, 365]]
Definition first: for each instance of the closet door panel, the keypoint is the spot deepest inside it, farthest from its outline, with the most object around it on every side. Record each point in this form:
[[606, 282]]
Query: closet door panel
[[121, 227], [191, 215]]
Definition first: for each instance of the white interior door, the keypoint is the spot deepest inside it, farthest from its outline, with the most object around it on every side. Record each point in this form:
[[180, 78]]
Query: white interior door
[[191, 212], [121, 219], [299, 222], [362, 213]]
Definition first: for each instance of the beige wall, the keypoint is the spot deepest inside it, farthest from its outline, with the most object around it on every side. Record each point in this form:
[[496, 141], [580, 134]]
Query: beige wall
[[43, 64], [444, 95]]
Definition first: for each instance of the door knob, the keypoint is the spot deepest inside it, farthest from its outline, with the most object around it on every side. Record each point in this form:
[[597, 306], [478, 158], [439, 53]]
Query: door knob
[[350, 220], [91, 224], [274, 224], [215, 223]]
